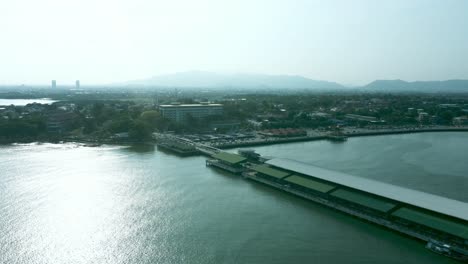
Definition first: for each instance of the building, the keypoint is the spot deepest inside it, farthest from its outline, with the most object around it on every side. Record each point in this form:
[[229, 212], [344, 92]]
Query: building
[[227, 125], [361, 118], [446, 106], [420, 215], [284, 132], [54, 83], [423, 117], [227, 161], [255, 124], [181, 112], [77, 84], [460, 121], [58, 121]]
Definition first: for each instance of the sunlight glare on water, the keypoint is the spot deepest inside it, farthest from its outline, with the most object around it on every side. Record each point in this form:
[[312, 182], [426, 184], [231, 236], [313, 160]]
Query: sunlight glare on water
[[73, 204]]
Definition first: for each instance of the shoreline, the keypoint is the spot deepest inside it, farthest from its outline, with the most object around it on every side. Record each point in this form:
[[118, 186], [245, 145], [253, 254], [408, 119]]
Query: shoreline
[[91, 142], [362, 133], [407, 131], [348, 134]]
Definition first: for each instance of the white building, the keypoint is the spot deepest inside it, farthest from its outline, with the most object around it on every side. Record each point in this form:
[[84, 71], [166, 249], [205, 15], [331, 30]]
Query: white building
[[423, 117], [180, 112], [460, 121]]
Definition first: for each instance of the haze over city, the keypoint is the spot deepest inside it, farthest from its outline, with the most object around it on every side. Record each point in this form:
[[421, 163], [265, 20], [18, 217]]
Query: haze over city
[[349, 42], [233, 131]]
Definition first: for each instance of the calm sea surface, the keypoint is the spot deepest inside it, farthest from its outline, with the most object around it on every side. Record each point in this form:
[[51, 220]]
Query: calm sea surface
[[73, 204]]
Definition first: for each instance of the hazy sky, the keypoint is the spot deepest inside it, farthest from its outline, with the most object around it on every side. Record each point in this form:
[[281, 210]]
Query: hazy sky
[[352, 42]]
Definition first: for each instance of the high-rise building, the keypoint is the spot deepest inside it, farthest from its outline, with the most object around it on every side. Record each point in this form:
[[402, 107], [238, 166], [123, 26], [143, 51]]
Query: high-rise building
[[77, 83], [54, 83]]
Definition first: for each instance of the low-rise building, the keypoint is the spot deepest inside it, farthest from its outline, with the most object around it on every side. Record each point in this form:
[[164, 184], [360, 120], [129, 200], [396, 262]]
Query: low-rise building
[[423, 117], [255, 124], [227, 161], [181, 112], [460, 121], [284, 132], [225, 125], [361, 118], [449, 106], [58, 121]]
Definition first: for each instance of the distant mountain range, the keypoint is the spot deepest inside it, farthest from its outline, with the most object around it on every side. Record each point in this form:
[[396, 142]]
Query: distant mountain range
[[202, 79], [418, 86]]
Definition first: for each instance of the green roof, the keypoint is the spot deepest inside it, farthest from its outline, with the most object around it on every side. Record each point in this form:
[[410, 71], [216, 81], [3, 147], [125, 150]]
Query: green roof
[[229, 157], [364, 199], [267, 170], [310, 184], [439, 223]]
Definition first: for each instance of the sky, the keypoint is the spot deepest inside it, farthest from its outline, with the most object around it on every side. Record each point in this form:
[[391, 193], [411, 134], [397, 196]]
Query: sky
[[350, 42]]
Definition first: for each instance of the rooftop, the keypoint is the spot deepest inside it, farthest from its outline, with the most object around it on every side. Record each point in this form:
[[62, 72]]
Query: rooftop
[[267, 170], [311, 184], [433, 221], [229, 157], [375, 203], [420, 199]]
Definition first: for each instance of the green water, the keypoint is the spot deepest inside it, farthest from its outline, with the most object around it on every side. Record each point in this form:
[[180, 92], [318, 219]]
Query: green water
[[72, 204]]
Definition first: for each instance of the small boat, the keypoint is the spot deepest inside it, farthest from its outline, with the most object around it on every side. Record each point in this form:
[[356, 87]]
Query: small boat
[[447, 250], [338, 138]]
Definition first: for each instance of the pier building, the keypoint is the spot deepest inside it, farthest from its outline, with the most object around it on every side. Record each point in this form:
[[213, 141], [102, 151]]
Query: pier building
[[227, 161], [440, 221]]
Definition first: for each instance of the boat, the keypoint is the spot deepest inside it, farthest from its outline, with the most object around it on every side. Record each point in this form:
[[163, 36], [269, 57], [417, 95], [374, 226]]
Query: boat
[[447, 250], [337, 135], [337, 138]]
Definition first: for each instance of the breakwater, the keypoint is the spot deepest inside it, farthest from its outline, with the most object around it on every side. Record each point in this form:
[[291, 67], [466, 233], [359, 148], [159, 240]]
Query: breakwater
[[359, 133], [405, 131], [208, 148]]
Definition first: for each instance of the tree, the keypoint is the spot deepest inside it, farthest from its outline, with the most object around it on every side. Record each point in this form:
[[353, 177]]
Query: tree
[[154, 120], [150, 117], [447, 116], [121, 124], [140, 131]]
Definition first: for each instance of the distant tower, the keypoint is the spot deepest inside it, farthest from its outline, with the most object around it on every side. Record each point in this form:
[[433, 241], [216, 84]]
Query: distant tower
[[54, 83], [77, 84]]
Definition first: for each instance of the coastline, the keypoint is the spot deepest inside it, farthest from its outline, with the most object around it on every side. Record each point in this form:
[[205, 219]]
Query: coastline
[[354, 133], [59, 140], [362, 133]]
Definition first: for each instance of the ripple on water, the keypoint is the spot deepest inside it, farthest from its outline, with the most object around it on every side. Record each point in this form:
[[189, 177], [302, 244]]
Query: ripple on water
[[73, 204]]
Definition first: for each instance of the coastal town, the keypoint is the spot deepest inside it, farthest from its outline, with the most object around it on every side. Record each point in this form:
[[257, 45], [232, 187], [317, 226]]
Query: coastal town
[[206, 132], [189, 124], [224, 121]]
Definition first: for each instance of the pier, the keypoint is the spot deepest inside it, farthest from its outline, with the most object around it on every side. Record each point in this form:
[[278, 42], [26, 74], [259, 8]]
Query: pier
[[417, 214], [423, 216]]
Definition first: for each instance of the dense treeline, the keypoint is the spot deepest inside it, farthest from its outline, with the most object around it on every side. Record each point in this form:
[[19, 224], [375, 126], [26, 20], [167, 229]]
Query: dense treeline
[[97, 118]]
